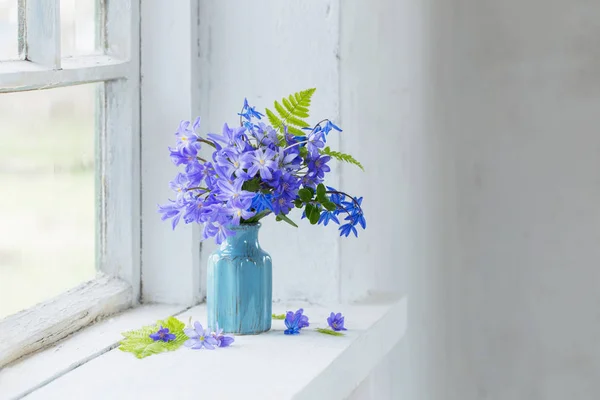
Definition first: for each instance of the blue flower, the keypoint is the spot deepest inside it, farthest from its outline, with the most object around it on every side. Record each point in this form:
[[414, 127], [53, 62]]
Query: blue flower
[[327, 216], [295, 322], [330, 125], [336, 322], [163, 335], [315, 141], [261, 202], [222, 340], [249, 112], [199, 338]]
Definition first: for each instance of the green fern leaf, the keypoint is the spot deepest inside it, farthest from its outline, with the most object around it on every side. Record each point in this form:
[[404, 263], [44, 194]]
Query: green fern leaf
[[278, 316], [342, 157], [292, 112], [139, 343], [295, 131], [273, 119], [287, 104], [329, 332], [291, 120], [282, 112], [293, 100]]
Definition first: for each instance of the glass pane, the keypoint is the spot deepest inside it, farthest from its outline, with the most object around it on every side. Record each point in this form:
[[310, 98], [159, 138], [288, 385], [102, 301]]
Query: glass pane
[[47, 204], [9, 28], [78, 27]]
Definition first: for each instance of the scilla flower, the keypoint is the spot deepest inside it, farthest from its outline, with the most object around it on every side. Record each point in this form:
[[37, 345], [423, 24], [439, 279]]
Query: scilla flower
[[199, 338], [336, 322], [295, 321]]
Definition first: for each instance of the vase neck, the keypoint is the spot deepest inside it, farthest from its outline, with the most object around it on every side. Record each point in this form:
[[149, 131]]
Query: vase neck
[[244, 235]]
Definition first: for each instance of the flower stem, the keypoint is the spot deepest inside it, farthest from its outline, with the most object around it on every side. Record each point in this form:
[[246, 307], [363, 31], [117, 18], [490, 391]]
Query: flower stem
[[208, 142]]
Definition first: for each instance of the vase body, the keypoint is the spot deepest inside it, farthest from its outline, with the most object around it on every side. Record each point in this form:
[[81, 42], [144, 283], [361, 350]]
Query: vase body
[[239, 286]]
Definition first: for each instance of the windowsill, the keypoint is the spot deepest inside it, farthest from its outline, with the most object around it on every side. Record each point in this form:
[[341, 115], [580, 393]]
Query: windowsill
[[272, 365]]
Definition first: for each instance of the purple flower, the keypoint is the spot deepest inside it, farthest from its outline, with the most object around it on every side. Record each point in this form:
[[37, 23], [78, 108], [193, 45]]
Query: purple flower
[[234, 138], [198, 338], [281, 204], [288, 186], [163, 335], [295, 322], [239, 209], [223, 232], [315, 141], [265, 135], [184, 155], [187, 137], [233, 162], [317, 166], [222, 340], [171, 210], [231, 191], [336, 322], [262, 161]]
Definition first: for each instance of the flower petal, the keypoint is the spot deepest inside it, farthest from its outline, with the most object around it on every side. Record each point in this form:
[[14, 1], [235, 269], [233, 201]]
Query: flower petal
[[191, 333], [190, 342], [198, 327]]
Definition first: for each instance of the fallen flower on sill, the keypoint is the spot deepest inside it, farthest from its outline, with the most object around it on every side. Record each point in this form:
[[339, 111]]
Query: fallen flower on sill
[[199, 338], [295, 322], [222, 340], [336, 322]]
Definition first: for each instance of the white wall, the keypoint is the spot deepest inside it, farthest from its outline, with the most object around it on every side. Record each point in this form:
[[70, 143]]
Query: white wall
[[477, 123], [524, 110]]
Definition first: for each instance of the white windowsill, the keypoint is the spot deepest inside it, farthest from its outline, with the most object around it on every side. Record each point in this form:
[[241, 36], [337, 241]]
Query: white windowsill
[[268, 366]]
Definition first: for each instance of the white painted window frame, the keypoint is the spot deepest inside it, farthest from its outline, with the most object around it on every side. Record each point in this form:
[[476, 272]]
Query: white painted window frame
[[117, 286]]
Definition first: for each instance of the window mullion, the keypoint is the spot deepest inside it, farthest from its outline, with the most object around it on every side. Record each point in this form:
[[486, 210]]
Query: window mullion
[[42, 32]]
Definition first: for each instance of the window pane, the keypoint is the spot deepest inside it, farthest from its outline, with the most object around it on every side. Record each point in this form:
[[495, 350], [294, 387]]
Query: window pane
[[47, 204], [78, 27], [9, 28]]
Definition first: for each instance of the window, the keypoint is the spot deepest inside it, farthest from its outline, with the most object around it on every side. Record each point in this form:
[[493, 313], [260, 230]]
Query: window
[[69, 166]]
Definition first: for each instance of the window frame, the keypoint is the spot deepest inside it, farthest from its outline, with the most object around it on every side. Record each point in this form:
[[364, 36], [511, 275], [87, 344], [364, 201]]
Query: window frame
[[118, 181]]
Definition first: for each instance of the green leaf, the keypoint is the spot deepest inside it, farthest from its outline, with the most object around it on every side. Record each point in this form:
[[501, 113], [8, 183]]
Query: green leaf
[[298, 203], [292, 112], [282, 217], [342, 157], [258, 217], [273, 119], [329, 332], [329, 206], [321, 193], [287, 104], [252, 185], [305, 195], [295, 131], [278, 316], [282, 112], [139, 343], [312, 213]]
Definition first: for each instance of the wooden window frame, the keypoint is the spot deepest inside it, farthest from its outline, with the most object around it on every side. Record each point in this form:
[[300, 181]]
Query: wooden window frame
[[118, 182]]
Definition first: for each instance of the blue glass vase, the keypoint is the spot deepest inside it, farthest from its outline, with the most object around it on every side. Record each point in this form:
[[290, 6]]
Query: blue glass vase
[[239, 284]]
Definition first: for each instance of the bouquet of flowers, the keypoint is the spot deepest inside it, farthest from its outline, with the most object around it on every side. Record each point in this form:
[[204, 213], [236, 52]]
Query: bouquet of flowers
[[257, 170]]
